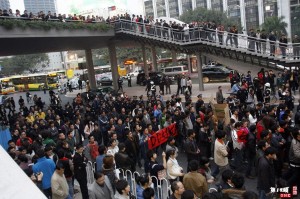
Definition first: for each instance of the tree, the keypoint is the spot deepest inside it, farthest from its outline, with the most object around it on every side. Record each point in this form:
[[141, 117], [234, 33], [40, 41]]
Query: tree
[[20, 63], [275, 24], [203, 14]]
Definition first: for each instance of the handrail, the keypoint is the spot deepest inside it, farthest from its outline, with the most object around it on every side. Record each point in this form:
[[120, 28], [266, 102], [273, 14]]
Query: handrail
[[264, 47]]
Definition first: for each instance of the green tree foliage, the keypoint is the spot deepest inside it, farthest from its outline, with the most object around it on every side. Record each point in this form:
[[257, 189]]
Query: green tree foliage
[[202, 14], [275, 24], [20, 63]]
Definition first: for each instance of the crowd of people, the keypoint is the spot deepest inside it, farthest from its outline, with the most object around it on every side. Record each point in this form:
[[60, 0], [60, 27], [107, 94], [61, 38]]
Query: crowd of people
[[53, 144]]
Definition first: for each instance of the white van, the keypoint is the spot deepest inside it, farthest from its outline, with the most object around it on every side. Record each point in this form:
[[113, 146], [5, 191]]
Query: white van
[[174, 71]]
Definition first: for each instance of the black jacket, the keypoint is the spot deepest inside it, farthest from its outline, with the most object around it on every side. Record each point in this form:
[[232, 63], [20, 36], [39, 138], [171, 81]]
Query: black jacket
[[79, 166], [265, 174]]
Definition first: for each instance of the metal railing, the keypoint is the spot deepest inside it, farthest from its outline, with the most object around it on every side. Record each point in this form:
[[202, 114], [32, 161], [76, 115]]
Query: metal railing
[[162, 188], [241, 42]]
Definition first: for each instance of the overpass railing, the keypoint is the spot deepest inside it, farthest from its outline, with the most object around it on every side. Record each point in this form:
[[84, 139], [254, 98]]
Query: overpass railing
[[241, 42]]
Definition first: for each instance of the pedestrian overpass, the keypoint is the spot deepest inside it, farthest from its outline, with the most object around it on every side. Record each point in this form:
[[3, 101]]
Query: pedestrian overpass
[[220, 46]]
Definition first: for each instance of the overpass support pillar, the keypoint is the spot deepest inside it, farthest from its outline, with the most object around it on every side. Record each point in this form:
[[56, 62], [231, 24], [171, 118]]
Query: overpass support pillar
[[200, 59], [154, 59], [114, 65], [174, 58], [145, 60], [90, 68]]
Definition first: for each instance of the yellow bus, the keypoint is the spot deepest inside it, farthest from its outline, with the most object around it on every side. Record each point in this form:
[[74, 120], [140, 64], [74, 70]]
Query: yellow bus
[[37, 81], [6, 86]]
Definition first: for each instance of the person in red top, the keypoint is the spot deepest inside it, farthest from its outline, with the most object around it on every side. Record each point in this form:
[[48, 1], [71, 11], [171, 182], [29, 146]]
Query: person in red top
[[150, 130], [262, 125], [91, 150], [23, 137], [243, 132]]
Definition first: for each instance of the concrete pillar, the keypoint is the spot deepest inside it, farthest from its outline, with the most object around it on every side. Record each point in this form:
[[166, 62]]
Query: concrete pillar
[[154, 9], [180, 7], [208, 4], [200, 76], [114, 65], [261, 17], [154, 58], [189, 64], [90, 68], [243, 14], [145, 60], [167, 8], [174, 58], [285, 12], [194, 4]]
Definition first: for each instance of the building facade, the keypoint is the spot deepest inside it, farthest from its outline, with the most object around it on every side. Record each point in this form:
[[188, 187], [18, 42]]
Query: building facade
[[36, 6], [251, 13], [4, 4]]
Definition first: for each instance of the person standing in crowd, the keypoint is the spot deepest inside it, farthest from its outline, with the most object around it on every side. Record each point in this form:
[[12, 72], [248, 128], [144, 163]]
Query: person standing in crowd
[[294, 172], [219, 96], [47, 167], [79, 84], [177, 190], [191, 149], [59, 185], [220, 152], [179, 86], [183, 84], [101, 187], [189, 85], [195, 181], [80, 174], [120, 84], [129, 80], [283, 45], [296, 47], [266, 173], [272, 40]]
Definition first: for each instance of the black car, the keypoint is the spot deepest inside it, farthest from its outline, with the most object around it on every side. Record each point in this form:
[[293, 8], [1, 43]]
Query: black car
[[105, 81], [215, 73], [154, 76], [98, 92]]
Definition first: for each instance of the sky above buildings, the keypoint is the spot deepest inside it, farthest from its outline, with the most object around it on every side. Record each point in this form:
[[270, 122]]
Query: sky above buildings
[[77, 6]]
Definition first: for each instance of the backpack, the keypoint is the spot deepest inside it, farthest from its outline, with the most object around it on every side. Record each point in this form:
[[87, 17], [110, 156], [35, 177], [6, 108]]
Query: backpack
[[93, 151]]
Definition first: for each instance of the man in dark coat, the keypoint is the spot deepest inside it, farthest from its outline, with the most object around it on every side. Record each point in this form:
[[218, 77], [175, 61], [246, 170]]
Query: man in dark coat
[[80, 171], [266, 172]]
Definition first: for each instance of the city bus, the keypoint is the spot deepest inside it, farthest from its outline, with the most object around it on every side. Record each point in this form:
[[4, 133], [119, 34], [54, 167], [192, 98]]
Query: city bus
[[37, 81], [6, 86]]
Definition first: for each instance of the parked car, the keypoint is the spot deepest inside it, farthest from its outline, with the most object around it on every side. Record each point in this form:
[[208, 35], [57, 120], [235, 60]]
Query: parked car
[[134, 73], [154, 76], [174, 71], [101, 92], [215, 73], [105, 81]]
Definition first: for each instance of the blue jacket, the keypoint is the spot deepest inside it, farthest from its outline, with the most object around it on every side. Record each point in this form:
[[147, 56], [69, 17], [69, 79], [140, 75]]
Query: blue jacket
[[47, 166], [99, 162], [139, 192]]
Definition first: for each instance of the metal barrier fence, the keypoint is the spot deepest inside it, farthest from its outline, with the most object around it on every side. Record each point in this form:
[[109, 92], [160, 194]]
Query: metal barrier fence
[[241, 42], [162, 188]]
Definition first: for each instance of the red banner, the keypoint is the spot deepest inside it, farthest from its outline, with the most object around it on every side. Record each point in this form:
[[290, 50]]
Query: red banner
[[162, 136]]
